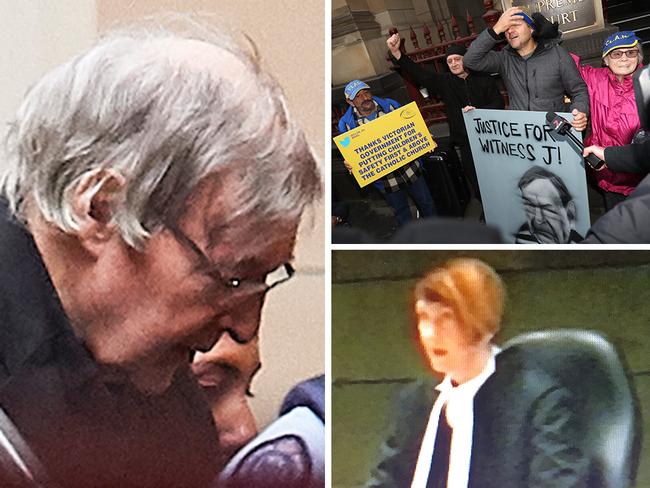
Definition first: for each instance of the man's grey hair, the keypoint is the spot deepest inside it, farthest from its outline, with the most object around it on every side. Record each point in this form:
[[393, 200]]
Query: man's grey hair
[[538, 173], [127, 106]]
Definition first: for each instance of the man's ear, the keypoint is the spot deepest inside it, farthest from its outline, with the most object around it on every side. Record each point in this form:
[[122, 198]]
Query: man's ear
[[571, 211], [93, 204]]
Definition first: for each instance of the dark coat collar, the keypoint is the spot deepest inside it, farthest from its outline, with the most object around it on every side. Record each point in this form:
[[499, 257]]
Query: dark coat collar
[[31, 315]]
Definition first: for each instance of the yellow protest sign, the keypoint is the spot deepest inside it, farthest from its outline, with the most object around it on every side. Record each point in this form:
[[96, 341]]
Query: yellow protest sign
[[379, 147]]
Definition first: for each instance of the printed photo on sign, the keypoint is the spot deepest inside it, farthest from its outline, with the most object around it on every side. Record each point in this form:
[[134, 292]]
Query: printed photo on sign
[[378, 148], [532, 180]]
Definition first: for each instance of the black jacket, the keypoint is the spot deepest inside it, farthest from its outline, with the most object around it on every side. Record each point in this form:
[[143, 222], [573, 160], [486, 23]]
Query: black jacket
[[84, 428], [633, 158], [526, 431], [479, 90], [629, 221]]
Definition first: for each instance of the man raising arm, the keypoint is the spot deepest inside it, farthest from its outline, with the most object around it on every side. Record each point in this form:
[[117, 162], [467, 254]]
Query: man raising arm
[[460, 90], [536, 70]]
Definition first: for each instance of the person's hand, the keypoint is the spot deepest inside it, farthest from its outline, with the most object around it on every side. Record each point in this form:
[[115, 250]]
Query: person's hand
[[508, 19], [393, 43], [347, 166], [468, 108], [579, 121], [598, 151]]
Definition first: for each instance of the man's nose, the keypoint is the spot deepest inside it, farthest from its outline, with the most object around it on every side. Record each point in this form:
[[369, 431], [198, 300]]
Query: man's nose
[[539, 215], [243, 320]]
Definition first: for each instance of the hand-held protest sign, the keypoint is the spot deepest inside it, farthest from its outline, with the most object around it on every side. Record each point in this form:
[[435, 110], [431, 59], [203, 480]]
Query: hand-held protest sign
[[506, 145], [380, 147]]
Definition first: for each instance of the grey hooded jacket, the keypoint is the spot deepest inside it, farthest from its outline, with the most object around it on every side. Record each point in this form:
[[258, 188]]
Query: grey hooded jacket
[[538, 83]]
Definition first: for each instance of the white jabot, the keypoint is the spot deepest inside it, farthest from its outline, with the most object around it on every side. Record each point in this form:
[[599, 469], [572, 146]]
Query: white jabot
[[460, 416]]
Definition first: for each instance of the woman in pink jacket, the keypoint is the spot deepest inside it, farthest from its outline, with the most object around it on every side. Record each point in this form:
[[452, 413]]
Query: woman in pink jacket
[[614, 117]]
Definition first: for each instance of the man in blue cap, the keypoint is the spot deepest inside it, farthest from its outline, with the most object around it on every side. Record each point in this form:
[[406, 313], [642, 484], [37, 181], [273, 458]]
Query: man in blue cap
[[364, 108], [537, 71]]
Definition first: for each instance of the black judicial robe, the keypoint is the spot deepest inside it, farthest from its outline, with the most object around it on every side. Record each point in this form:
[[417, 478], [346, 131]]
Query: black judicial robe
[[527, 431]]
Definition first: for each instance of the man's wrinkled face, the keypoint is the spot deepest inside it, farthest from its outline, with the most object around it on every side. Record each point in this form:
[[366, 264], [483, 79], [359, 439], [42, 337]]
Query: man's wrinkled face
[[225, 374], [446, 345], [455, 63], [363, 102], [549, 221], [162, 304], [519, 35]]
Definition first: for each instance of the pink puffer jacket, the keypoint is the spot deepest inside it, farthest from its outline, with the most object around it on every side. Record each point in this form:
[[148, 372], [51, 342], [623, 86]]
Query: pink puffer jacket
[[614, 120]]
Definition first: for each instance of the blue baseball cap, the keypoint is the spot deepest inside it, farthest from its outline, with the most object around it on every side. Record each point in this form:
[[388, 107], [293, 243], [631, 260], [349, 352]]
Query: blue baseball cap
[[619, 40], [527, 19], [354, 87]]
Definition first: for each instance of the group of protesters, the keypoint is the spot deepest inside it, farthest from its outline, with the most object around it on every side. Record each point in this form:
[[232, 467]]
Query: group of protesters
[[539, 74]]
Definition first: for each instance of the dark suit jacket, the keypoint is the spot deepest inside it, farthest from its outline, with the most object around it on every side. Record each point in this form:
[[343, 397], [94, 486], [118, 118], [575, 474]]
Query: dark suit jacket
[[525, 236], [87, 429], [526, 431]]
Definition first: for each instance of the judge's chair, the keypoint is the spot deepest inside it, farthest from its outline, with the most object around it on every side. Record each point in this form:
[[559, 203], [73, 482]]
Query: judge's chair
[[588, 366]]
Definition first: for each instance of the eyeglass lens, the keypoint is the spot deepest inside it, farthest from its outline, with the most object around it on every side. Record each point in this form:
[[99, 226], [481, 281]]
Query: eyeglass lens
[[279, 275], [630, 54]]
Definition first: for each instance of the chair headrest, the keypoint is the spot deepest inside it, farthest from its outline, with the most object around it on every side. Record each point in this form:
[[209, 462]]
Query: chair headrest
[[589, 366]]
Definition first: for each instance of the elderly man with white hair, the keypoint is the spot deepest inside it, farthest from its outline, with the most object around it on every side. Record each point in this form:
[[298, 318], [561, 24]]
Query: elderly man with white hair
[[152, 192]]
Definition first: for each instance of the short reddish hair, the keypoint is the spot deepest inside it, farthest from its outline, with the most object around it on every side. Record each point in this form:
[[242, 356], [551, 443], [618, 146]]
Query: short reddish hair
[[472, 289]]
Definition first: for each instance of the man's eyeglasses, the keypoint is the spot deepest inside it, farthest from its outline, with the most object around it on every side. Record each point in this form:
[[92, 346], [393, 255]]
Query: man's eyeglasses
[[236, 284], [618, 54]]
